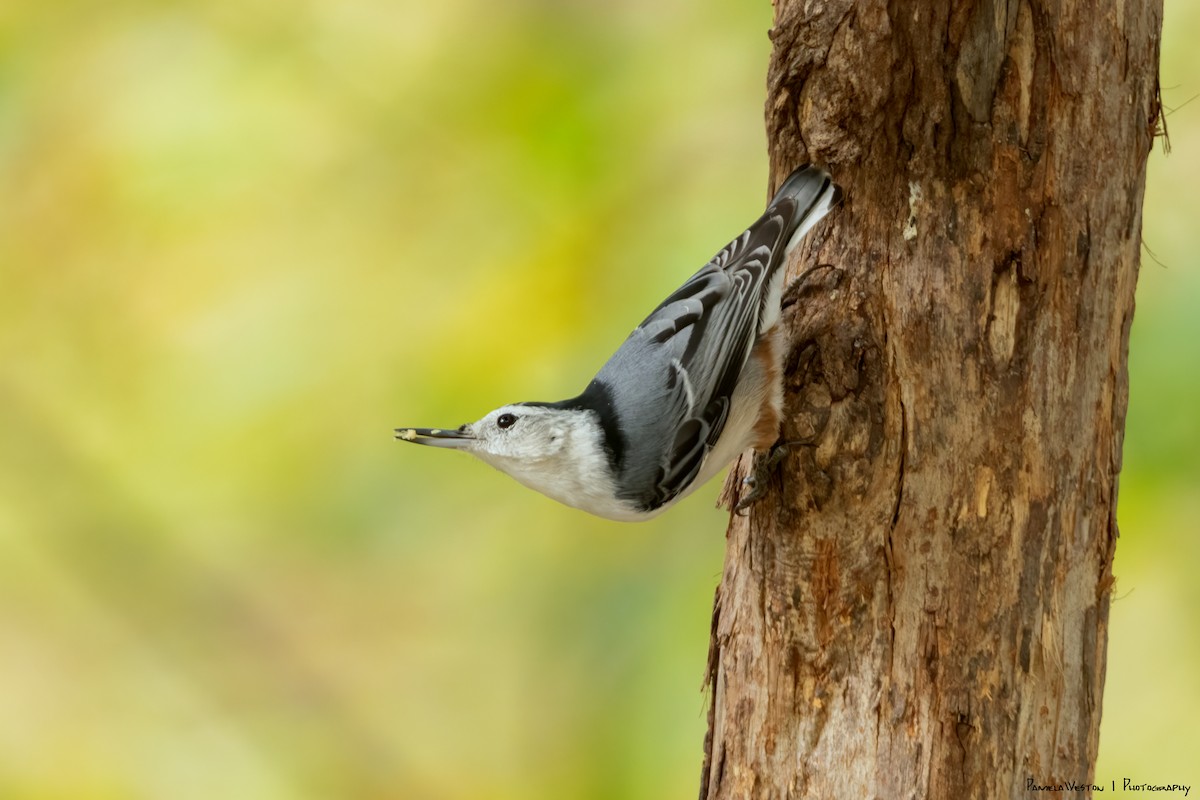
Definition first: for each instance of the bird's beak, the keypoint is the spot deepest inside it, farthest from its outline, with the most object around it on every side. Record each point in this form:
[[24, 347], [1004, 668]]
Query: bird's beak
[[437, 437]]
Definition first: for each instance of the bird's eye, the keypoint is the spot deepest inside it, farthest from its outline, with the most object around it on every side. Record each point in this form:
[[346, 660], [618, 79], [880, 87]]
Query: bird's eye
[[505, 421]]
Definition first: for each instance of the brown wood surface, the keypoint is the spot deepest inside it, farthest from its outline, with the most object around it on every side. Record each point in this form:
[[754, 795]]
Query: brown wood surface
[[919, 605]]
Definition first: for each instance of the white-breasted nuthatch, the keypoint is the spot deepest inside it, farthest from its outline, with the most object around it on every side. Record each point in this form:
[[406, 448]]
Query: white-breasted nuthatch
[[695, 385]]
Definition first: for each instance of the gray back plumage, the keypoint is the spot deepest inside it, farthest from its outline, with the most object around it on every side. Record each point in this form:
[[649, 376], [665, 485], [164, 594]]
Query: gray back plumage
[[668, 388]]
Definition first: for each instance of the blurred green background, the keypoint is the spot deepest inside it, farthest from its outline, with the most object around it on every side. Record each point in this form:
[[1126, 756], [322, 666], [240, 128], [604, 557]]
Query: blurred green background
[[241, 241]]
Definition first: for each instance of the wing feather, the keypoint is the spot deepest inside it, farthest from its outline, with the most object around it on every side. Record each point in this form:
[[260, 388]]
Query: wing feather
[[676, 374], [711, 321]]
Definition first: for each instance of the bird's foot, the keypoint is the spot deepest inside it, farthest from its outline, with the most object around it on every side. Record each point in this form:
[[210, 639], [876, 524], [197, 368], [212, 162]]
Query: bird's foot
[[760, 473], [793, 290]]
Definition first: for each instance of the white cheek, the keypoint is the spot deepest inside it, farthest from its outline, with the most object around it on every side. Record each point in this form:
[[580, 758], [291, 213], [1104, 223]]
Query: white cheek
[[513, 445]]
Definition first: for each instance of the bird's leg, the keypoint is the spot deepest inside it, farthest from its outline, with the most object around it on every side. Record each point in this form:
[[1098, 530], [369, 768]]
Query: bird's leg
[[760, 472], [791, 292]]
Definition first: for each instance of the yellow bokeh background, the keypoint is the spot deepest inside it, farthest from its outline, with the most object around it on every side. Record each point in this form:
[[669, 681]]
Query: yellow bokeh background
[[242, 241]]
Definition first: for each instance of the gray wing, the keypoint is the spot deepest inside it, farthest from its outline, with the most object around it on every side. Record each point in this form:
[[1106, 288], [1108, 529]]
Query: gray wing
[[671, 383], [686, 358]]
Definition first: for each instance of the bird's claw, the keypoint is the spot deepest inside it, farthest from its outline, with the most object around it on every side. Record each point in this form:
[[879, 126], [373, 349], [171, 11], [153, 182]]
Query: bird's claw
[[751, 497], [759, 476]]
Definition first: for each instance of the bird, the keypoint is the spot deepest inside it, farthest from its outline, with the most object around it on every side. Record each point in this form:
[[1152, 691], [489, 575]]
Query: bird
[[696, 384]]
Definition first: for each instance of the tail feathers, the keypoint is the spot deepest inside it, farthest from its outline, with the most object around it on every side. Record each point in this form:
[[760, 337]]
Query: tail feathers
[[813, 193]]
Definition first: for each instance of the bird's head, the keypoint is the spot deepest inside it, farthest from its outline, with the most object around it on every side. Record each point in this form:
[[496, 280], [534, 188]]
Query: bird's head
[[553, 448], [511, 436]]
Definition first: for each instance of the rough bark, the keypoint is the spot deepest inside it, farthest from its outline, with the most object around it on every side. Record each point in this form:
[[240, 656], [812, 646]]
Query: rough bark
[[919, 607]]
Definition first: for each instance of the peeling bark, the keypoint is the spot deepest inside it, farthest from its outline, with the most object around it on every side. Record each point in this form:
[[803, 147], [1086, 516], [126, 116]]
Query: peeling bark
[[919, 607]]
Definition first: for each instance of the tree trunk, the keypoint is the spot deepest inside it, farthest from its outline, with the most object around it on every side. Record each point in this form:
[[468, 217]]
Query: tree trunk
[[919, 606]]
